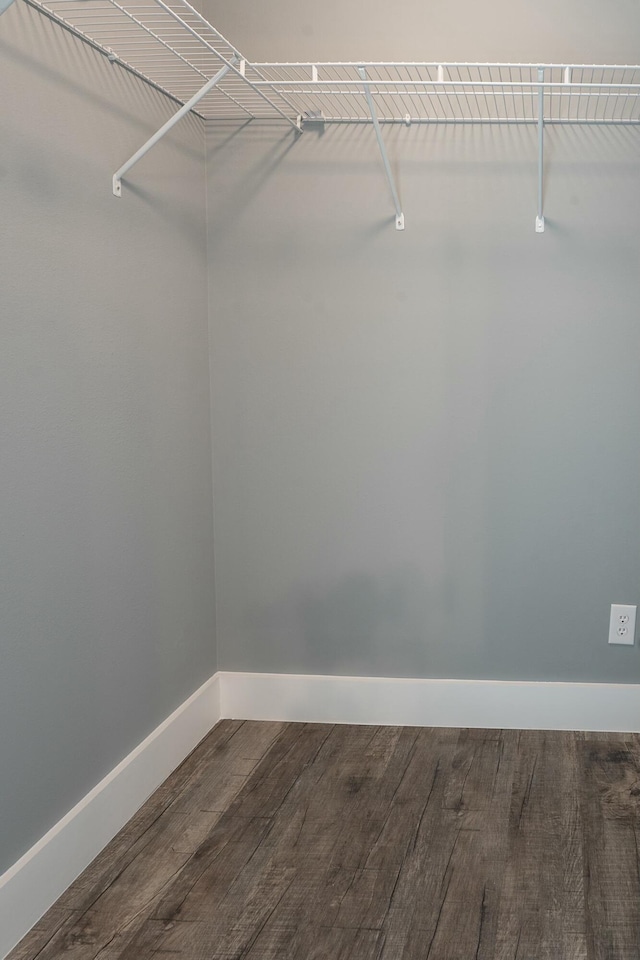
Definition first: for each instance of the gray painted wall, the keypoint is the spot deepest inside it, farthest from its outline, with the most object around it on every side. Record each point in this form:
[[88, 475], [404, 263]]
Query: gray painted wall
[[106, 581], [425, 444], [520, 31]]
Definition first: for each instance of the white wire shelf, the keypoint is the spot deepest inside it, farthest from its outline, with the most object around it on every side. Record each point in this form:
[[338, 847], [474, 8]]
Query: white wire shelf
[[460, 92], [171, 45]]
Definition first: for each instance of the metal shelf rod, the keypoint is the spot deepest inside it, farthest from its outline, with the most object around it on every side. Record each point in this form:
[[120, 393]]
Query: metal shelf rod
[[436, 63], [512, 121], [540, 216], [510, 84]]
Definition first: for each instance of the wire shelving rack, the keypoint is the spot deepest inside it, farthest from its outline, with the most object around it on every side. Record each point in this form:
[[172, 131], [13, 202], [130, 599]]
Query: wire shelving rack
[[170, 45]]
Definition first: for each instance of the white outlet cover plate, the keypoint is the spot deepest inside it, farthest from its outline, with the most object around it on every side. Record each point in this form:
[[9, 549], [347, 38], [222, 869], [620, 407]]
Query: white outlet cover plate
[[622, 624]]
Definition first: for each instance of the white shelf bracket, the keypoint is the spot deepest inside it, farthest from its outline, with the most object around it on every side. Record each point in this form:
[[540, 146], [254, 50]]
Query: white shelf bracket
[[540, 216], [383, 150], [151, 142]]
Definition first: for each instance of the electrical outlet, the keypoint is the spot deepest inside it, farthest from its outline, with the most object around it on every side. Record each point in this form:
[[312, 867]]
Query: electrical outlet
[[622, 625]]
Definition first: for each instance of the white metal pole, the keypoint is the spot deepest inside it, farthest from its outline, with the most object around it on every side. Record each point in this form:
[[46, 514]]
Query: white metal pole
[[151, 142], [4, 5], [540, 217], [383, 151]]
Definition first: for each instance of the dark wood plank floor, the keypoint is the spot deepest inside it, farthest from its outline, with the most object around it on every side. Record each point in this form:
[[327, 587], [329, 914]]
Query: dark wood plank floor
[[309, 841]]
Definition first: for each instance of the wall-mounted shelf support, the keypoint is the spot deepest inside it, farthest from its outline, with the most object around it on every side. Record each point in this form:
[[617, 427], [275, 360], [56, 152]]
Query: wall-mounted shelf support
[[151, 142], [540, 216], [383, 150]]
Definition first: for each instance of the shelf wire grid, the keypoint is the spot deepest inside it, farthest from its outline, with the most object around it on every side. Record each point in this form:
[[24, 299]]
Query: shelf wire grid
[[460, 92], [169, 44]]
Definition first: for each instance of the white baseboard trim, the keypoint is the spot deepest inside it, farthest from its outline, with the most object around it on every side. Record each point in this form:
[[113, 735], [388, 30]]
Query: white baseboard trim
[[35, 882], [438, 703]]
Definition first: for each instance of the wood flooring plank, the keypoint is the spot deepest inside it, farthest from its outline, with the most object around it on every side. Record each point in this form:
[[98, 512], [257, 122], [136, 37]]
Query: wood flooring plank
[[367, 901], [421, 889], [467, 920], [218, 780], [145, 942], [476, 803], [135, 891], [135, 940], [204, 882], [322, 881], [454, 862], [314, 943], [236, 829], [309, 779], [236, 919], [542, 904], [144, 825], [331, 833], [431, 749], [611, 814], [271, 785], [41, 934]]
